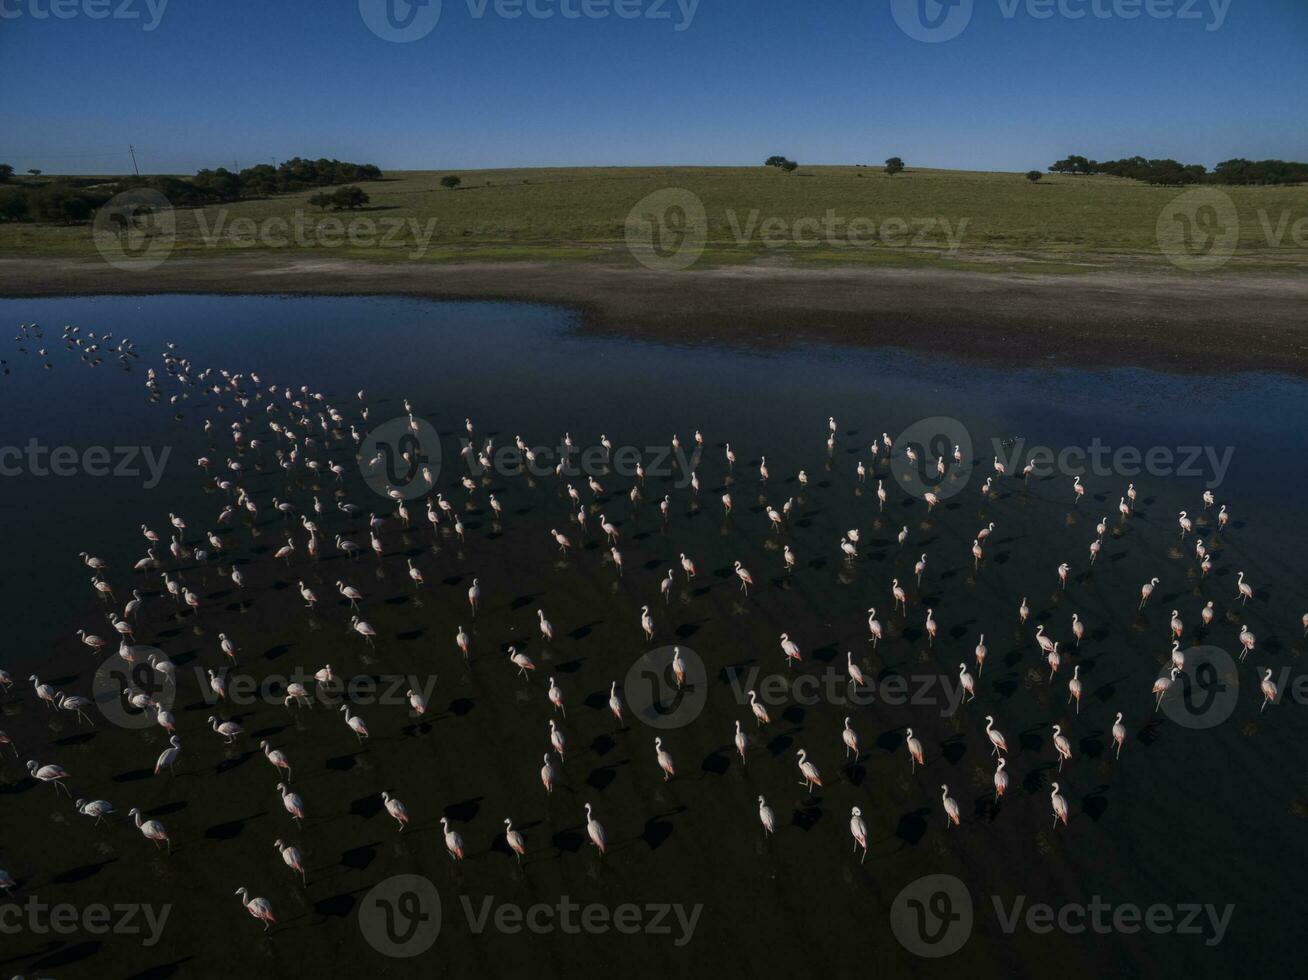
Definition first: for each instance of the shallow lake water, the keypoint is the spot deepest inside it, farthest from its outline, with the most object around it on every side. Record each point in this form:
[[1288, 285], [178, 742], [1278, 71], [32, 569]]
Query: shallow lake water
[[1203, 809]]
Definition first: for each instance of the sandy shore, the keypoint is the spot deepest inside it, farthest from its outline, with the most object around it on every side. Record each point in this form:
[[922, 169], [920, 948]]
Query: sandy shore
[[1189, 323]]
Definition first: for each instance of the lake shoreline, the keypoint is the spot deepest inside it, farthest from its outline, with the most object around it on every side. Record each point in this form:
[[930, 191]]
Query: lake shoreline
[[1176, 323]]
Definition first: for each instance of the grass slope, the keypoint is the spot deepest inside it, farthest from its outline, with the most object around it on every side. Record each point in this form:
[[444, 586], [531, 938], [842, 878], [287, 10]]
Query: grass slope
[[937, 217]]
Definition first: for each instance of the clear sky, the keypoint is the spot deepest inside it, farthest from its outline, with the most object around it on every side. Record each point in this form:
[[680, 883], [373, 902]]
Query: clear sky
[[1019, 84]]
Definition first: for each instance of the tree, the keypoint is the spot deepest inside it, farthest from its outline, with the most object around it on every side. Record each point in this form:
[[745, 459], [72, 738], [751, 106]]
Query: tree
[[774, 161], [1033, 175], [350, 197], [894, 165], [322, 200], [451, 181], [35, 171], [6, 171], [56, 203], [789, 166], [13, 204]]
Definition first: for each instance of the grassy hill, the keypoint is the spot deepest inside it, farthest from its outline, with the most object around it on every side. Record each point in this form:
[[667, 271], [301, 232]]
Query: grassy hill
[[942, 218]]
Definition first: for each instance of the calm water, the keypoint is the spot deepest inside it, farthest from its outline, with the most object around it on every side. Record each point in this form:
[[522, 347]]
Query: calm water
[[1187, 816]]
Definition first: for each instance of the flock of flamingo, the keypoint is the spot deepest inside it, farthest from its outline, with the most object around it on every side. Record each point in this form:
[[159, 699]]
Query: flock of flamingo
[[313, 444]]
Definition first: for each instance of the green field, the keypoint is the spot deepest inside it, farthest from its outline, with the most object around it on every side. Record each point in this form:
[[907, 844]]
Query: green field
[[957, 219]]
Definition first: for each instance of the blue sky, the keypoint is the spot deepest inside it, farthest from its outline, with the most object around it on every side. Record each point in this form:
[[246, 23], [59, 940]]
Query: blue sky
[[681, 82]]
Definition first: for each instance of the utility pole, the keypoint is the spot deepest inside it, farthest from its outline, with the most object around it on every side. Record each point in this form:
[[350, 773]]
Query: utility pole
[[132, 150]]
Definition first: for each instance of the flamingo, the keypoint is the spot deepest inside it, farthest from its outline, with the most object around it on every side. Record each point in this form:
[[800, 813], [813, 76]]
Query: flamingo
[[760, 712], [355, 722], [1268, 689], [1246, 590], [227, 729], [277, 757], [168, 757], [981, 652], [292, 803], [873, 627], [1161, 686], [951, 807], [151, 830], [594, 830], [556, 739], [664, 759], [556, 697], [517, 843], [615, 703], [293, 858], [766, 817], [859, 831], [396, 809], [260, 908], [99, 809], [967, 681], [850, 738], [547, 774], [1062, 746], [914, 749], [52, 774], [520, 660], [1001, 779], [809, 771], [363, 628], [1059, 804], [75, 704], [1119, 733], [1074, 688], [996, 738], [852, 669], [791, 650], [741, 741]]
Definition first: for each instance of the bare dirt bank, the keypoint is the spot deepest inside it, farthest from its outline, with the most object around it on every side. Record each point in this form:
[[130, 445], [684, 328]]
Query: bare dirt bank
[[1191, 323]]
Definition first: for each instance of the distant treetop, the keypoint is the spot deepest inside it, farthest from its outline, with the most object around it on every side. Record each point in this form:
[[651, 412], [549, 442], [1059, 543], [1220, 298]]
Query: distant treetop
[[1236, 171]]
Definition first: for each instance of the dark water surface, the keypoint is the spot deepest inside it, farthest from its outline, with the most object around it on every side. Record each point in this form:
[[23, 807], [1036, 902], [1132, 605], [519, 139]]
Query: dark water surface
[[1196, 812]]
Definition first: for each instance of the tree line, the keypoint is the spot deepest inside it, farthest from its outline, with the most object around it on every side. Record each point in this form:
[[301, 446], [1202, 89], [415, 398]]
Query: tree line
[[1234, 171], [72, 200]]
